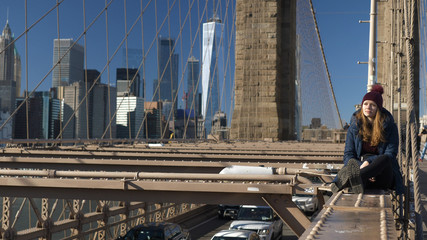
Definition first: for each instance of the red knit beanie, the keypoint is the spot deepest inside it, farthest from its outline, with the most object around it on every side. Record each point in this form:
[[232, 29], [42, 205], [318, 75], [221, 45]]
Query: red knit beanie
[[375, 95]]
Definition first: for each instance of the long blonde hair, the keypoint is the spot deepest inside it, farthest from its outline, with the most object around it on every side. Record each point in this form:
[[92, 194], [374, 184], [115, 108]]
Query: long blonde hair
[[372, 133]]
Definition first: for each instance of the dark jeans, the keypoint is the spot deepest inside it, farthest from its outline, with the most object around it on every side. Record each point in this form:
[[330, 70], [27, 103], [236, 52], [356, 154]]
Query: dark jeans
[[381, 169]]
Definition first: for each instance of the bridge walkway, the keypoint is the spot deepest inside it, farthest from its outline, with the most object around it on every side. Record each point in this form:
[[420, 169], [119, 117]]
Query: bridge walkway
[[341, 218], [423, 191], [355, 216]]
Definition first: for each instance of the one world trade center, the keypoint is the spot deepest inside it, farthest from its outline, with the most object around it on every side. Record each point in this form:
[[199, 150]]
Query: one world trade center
[[212, 70]]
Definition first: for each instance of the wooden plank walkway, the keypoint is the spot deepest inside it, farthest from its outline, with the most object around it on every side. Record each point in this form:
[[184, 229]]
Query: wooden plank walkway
[[357, 223], [354, 216]]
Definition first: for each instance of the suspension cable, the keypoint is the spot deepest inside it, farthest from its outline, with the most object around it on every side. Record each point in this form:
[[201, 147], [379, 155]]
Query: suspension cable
[[51, 69], [409, 13], [85, 70], [60, 69], [26, 71], [195, 85], [325, 62], [108, 70], [138, 70]]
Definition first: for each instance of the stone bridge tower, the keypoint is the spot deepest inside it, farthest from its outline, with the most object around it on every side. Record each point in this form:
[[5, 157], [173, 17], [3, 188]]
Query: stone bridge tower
[[265, 70]]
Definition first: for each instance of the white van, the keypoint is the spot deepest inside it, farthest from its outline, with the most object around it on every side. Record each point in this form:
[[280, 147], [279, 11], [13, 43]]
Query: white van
[[235, 235]]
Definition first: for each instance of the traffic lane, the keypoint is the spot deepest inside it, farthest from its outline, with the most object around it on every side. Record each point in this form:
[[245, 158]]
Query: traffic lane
[[207, 229]]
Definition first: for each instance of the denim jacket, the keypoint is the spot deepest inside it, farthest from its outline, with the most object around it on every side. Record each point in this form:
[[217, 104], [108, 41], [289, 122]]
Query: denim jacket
[[353, 146]]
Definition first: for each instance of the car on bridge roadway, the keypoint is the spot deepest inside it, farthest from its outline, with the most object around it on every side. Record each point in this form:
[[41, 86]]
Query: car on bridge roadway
[[236, 235], [228, 211], [306, 203], [260, 219], [157, 231]]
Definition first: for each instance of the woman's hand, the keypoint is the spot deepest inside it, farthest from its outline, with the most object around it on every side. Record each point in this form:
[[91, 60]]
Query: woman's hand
[[364, 164]]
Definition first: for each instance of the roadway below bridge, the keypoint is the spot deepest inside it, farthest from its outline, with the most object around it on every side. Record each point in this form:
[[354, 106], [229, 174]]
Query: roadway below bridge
[[204, 227], [214, 225], [171, 173]]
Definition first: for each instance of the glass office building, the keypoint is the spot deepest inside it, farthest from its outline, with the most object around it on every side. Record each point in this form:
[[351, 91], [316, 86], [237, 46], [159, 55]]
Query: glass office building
[[193, 86], [130, 114], [212, 70], [167, 71], [70, 69]]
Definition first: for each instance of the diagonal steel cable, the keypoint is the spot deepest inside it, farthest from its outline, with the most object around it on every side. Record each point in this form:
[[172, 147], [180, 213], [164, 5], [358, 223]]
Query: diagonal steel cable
[[325, 62]]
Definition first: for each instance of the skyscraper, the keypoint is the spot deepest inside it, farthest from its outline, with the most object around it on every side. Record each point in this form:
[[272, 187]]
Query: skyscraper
[[7, 70], [212, 70], [93, 121], [124, 78], [130, 114], [193, 86], [38, 117], [167, 71], [17, 72], [70, 69]]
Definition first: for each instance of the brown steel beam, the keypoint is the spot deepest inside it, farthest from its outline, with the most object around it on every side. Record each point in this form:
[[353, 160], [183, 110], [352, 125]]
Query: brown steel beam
[[147, 191], [132, 176], [288, 212], [124, 165], [176, 144], [168, 156], [291, 152]]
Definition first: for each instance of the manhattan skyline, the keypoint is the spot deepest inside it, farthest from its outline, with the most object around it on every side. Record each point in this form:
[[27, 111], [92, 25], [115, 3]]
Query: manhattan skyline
[[338, 25], [71, 25]]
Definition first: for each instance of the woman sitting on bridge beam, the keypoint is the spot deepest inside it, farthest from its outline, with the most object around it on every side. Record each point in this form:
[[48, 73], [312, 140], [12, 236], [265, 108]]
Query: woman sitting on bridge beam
[[370, 149]]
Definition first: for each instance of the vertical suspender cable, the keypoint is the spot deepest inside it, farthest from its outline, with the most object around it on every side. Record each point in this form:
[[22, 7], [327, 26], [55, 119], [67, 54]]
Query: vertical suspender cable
[[145, 120], [197, 84], [26, 69], [108, 71], [229, 60], [127, 74], [41, 81], [173, 49], [158, 89], [223, 95], [137, 72], [228, 101], [189, 87], [194, 85], [115, 52], [182, 68], [152, 43], [61, 101], [402, 154], [95, 81], [85, 71], [171, 60], [409, 12], [200, 66]]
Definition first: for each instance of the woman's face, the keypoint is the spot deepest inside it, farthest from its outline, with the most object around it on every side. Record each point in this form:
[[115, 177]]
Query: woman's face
[[369, 108]]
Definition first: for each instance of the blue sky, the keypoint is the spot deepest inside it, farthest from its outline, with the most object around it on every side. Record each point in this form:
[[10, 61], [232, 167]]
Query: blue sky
[[345, 40], [181, 25]]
